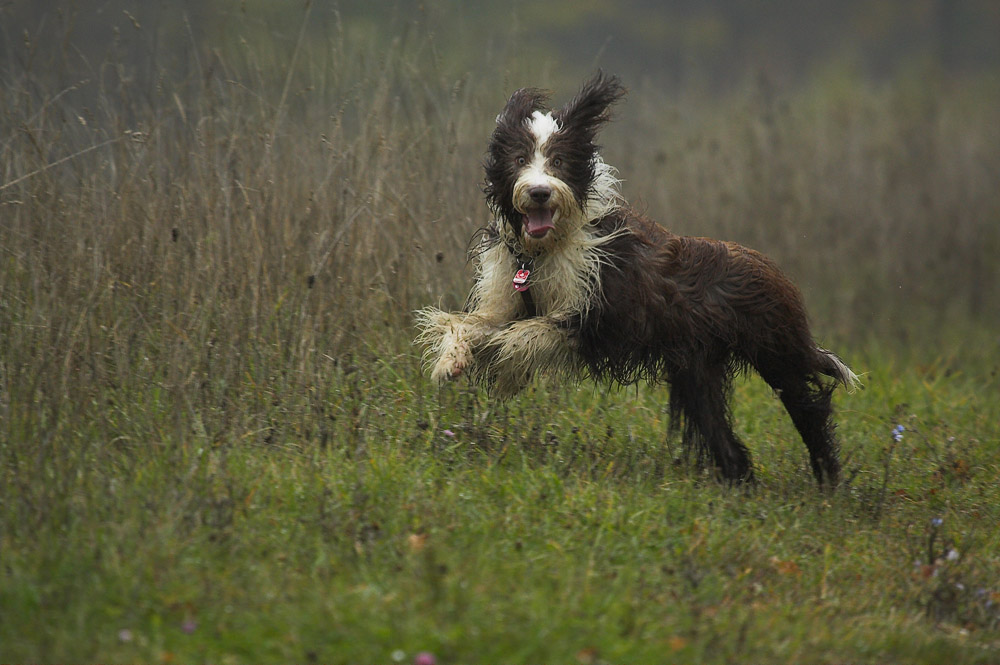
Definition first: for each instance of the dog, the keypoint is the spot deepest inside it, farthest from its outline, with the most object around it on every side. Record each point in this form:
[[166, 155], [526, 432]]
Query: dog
[[571, 279]]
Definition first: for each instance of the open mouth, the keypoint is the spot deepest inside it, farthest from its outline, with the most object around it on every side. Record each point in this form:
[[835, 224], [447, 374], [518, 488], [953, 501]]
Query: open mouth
[[538, 222]]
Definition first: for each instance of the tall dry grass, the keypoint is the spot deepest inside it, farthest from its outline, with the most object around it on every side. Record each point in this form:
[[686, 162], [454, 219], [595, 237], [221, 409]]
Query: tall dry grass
[[216, 240], [223, 239], [881, 200]]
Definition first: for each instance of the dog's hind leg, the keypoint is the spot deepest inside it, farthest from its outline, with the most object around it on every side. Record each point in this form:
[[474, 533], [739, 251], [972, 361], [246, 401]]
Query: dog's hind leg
[[701, 397], [810, 409], [808, 402]]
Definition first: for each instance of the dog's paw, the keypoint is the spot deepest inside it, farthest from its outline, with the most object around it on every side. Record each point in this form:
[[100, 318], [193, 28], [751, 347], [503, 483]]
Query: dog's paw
[[452, 363]]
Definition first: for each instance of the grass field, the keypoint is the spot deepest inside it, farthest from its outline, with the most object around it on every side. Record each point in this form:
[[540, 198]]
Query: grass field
[[367, 514], [216, 442]]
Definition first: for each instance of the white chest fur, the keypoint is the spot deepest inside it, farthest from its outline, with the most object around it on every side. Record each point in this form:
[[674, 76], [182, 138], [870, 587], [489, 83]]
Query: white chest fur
[[563, 281]]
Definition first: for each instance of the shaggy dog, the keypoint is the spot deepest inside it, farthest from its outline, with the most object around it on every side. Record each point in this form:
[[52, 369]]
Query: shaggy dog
[[570, 278]]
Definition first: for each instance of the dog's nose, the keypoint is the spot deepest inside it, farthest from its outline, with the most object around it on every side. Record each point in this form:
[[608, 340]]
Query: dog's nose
[[540, 194]]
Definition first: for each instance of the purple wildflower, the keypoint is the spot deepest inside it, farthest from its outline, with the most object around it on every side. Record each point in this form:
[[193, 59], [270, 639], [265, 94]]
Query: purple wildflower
[[424, 658]]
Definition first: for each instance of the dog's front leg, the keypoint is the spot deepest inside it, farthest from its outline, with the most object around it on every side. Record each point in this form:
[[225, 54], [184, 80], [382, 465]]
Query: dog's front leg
[[451, 340], [513, 355]]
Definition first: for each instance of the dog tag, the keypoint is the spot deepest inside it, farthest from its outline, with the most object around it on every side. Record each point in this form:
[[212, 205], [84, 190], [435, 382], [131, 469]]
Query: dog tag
[[521, 279]]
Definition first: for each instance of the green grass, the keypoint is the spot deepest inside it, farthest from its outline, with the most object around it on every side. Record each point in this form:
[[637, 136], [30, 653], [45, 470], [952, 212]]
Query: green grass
[[560, 527]]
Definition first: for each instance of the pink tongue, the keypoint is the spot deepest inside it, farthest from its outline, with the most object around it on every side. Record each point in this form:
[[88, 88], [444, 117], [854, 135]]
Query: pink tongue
[[538, 222]]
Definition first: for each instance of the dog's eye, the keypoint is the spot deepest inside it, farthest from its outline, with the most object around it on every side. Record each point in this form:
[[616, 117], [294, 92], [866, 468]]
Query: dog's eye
[[557, 162], [521, 161]]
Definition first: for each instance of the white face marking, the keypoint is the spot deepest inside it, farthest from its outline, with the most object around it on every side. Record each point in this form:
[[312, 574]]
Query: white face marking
[[542, 126]]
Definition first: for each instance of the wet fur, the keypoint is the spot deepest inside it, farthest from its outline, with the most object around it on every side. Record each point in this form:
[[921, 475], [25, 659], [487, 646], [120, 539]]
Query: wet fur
[[619, 298]]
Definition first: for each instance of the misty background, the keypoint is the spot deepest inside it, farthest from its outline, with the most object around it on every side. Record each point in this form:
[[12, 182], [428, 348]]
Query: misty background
[[702, 45]]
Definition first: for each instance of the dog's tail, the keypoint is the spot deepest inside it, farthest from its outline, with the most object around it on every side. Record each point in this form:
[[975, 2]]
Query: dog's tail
[[833, 366]]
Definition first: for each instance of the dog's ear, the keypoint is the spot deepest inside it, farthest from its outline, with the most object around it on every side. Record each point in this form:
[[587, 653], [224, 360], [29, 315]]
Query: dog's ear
[[591, 108], [522, 104]]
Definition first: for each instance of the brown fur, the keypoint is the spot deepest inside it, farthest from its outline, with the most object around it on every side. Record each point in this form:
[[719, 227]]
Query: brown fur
[[698, 311]]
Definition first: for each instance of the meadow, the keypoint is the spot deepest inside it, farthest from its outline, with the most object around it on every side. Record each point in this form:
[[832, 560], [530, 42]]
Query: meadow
[[217, 443]]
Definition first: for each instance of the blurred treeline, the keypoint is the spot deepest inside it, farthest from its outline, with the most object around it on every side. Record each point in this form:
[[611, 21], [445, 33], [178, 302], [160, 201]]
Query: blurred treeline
[[702, 44]]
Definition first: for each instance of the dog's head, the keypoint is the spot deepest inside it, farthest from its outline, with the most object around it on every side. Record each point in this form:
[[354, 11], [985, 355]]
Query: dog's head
[[542, 165]]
